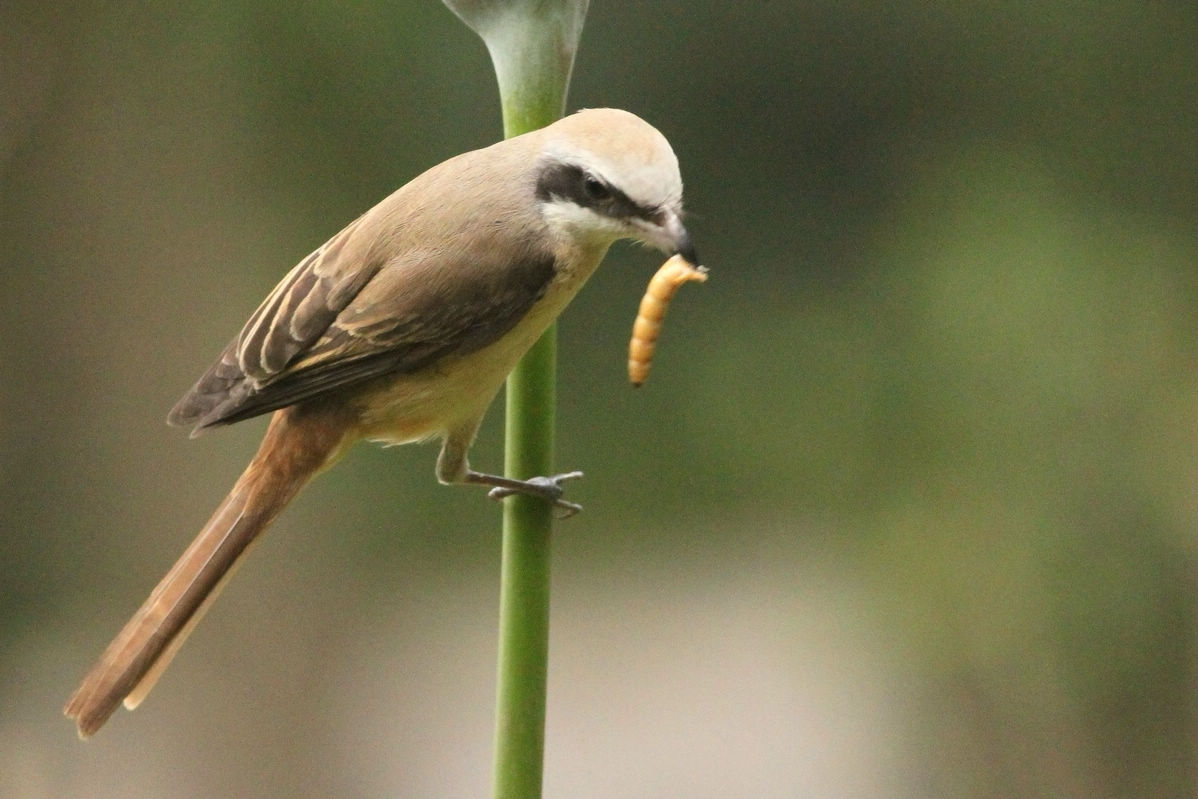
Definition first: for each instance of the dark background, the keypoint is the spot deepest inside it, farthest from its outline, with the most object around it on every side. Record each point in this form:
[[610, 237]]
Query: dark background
[[906, 509]]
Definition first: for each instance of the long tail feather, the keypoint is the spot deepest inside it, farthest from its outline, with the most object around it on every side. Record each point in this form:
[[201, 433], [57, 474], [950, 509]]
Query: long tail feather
[[296, 447]]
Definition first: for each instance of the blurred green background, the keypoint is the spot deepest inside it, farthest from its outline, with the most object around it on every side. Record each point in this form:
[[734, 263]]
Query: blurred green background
[[907, 508]]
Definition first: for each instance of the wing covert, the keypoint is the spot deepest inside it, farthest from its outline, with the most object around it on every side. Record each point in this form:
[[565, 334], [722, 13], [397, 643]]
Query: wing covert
[[348, 313]]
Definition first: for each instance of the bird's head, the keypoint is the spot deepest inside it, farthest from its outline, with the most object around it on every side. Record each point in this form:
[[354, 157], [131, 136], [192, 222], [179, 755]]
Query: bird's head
[[604, 174]]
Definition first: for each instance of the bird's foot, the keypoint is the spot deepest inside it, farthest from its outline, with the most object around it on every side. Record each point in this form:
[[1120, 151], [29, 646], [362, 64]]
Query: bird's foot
[[548, 489]]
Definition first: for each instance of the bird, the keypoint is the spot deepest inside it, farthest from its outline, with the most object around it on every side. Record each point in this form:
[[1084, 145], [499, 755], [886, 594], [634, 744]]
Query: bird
[[401, 328]]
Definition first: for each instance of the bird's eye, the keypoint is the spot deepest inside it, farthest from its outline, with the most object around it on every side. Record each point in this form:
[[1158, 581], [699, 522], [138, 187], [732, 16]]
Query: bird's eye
[[595, 188]]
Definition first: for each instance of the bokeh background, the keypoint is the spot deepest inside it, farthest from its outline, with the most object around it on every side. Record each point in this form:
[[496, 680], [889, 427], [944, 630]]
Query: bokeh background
[[907, 508]]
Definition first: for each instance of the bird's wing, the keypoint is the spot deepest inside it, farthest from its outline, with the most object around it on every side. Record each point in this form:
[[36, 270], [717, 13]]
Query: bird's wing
[[366, 304]]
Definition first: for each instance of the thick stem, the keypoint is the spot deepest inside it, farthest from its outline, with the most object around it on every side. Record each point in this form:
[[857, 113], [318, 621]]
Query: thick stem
[[524, 587], [532, 45]]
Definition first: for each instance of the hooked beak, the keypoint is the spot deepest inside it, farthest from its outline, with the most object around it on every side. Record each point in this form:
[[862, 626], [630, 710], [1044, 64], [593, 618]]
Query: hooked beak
[[674, 238]]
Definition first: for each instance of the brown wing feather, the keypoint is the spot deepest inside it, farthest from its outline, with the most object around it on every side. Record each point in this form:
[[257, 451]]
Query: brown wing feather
[[296, 313], [369, 303], [361, 346]]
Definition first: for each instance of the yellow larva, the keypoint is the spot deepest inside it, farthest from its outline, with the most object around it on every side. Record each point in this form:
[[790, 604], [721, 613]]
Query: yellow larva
[[647, 327]]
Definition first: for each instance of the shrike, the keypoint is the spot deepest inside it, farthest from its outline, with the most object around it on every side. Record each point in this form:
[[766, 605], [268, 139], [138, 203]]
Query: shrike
[[402, 327]]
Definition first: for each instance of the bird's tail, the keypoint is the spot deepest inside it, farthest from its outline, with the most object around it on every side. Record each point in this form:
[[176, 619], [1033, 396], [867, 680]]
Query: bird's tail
[[298, 444]]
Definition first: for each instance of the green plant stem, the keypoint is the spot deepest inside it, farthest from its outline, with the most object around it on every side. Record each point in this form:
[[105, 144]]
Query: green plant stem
[[522, 674], [532, 45], [523, 663]]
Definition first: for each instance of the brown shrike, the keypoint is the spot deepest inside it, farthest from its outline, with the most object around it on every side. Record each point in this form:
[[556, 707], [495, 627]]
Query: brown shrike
[[402, 327]]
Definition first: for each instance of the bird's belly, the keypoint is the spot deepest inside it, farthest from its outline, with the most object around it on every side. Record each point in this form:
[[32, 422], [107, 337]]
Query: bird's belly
[[453, 391], [425, 404]]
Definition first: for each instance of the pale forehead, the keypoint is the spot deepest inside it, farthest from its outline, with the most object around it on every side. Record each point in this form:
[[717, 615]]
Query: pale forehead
[[622, 148]]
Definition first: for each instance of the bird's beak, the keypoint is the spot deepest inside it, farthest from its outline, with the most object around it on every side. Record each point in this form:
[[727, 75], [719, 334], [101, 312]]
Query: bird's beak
[[678, 239]]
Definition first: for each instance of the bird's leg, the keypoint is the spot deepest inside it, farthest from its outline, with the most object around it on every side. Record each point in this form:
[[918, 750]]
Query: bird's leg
[[453, 467]]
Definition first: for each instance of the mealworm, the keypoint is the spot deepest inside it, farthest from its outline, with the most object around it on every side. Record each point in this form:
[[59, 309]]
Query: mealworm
[[647, 327]]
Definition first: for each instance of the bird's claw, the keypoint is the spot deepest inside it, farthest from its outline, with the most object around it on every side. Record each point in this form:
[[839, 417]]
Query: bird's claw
[[548, 489]]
